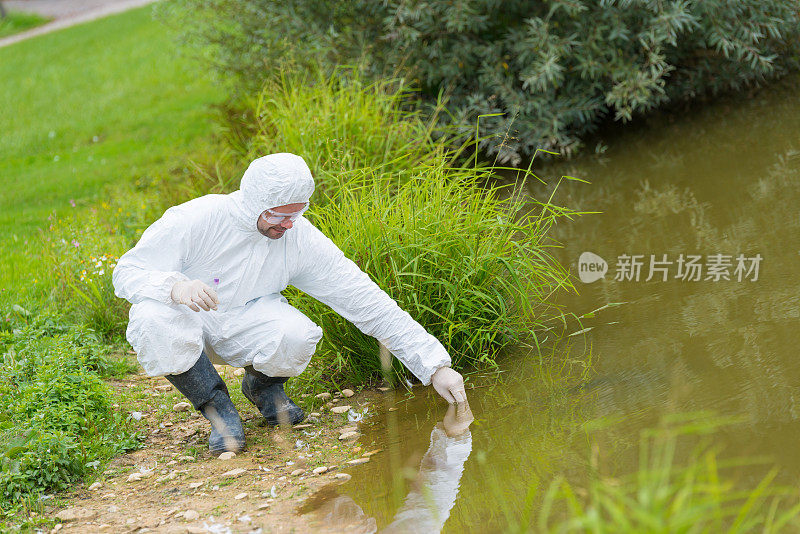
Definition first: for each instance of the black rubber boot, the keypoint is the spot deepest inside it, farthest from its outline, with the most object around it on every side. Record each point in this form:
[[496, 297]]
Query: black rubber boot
[[269, 397], [207, 392]]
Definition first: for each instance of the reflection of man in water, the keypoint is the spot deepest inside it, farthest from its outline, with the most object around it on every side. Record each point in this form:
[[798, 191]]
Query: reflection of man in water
[[427, 506]]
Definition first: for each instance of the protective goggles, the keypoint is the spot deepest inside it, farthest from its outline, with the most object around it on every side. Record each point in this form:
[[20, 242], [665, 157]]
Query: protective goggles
[[274, 217]]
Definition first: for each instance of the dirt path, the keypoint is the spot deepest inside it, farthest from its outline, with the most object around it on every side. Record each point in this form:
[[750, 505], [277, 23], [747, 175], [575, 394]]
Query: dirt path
[[174, 485], [65, 13]]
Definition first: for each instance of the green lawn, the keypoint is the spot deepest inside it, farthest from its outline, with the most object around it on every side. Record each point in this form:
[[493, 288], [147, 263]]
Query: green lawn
[[107, 101], [18, 22]]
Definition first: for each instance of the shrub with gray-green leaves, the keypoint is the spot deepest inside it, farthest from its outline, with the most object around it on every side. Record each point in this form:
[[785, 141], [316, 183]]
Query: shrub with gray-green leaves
[[554, 69]]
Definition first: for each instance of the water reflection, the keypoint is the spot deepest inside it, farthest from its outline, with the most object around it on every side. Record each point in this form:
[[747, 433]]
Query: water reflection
[[433, 491]]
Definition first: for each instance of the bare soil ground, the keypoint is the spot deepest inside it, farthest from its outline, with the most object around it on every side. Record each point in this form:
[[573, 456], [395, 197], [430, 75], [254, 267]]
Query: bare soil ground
[[173, 484]]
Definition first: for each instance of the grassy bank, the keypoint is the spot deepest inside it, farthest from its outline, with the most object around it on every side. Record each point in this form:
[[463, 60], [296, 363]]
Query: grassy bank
[[107, 102], [98, 114], [19, 22]]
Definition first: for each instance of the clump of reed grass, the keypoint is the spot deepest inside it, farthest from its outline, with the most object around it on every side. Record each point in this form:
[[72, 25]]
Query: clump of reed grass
[[469, 262]]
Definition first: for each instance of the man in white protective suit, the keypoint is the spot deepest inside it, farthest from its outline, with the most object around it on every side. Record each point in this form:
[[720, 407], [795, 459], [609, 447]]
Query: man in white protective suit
[[205, 281]]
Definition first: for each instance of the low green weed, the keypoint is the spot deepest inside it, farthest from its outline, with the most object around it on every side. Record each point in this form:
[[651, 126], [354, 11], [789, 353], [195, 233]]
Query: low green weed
[[56, 414]]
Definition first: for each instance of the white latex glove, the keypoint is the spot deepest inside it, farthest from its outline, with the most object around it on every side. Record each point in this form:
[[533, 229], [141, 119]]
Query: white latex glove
[[449, 384], [195, 294]]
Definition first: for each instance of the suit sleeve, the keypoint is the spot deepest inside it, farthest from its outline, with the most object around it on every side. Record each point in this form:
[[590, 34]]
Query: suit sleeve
[[327, 275], [151, 268]]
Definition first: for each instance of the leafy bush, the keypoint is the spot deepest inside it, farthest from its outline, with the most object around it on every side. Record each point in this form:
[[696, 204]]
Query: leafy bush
[[56, 417], [552, 70]]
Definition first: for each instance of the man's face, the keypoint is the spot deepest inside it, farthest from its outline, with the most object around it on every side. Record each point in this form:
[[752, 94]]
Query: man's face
[[276, 231]]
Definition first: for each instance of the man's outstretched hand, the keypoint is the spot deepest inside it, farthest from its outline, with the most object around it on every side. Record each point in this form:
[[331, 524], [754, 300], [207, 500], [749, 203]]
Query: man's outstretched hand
[[449, 384], [195, 294]]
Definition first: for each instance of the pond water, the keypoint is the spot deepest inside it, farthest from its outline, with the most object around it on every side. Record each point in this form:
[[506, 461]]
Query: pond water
[[696, 199]]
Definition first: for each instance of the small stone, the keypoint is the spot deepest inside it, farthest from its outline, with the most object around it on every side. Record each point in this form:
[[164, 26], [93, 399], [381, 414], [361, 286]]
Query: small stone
[[135, 477], [195, 485], [358, 461], [239, 372], [321, 469], [95, 486], [167, 424], [349, 435], [315, 414], [233, 473], [191, 515], [196, 530], [370, 453], [263, 506], [297, 472], [347, 393], [170, 476], [113, 509], [344, 477], [109, 495], [323, 396], [76, 514], [341, 409], [383, 389], [244, 518], [165, 387], [229, 455], [105, 527], [355, 450], [241, 496], [300, 427], [185, 458], [350, 428], [56, 528], [392, 409], [182, 407]]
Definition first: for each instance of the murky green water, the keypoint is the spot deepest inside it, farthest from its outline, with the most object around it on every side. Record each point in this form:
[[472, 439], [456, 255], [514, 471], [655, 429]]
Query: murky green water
[[724, 180]]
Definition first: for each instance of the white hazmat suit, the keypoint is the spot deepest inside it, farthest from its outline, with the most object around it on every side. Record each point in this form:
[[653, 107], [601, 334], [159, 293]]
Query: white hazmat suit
[[215, 237]]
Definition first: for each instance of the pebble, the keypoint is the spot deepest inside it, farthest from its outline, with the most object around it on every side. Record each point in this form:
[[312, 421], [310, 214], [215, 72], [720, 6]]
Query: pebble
[[297, 472], [239, 372], [358, 461], [195, 485], [196, 530], [76, 514], [315, 414], [109, 495], [323, 396], [263, 506], [351, 428], [191, 515], [392, 409], [305, 425], [182, 407], [244, 519], [229, 455], [165, 387], [370, 453], [340, 409], [95, 486], [347, 393], [348, 435], [185, 458], [170, 476], [56, 528], [383, 389], [321, 469], [344, 477], [135, 477], [233, 473], [241, 496]]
